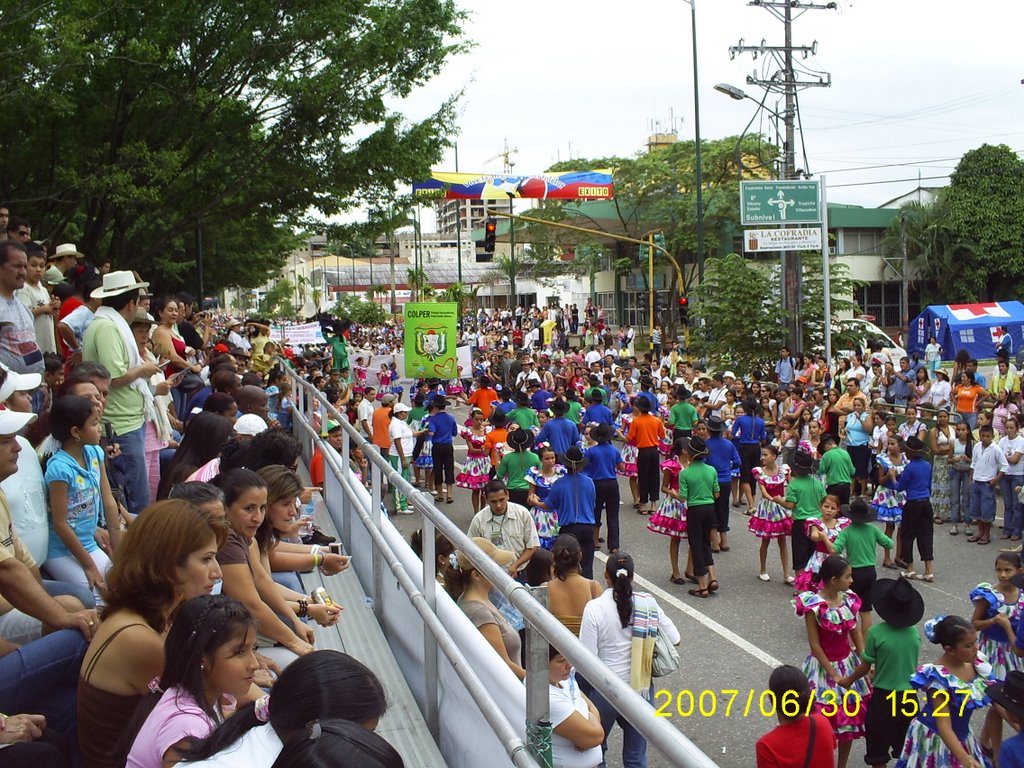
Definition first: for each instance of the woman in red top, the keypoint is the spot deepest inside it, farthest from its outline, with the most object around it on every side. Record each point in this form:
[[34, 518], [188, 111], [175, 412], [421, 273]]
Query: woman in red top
[[799, 740]]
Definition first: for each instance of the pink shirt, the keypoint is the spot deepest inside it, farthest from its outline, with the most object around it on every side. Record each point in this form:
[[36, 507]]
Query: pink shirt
[[176, 716]]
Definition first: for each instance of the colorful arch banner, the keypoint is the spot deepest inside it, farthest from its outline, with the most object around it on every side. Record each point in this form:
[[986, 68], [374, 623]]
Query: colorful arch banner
[[564, 185]]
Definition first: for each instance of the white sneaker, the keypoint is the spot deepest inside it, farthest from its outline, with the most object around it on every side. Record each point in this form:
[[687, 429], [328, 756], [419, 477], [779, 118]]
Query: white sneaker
[[764, 577]]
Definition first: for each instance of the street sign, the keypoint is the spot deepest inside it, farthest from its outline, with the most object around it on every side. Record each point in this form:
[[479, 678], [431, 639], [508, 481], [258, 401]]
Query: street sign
[[796, 239], [779, 202]]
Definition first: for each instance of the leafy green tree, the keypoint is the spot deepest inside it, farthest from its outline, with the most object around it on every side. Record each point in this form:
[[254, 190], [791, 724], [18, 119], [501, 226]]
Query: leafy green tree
[[279, 300], [812, 311], [135, 130], [736, 319], [359, 310], [985, 206]]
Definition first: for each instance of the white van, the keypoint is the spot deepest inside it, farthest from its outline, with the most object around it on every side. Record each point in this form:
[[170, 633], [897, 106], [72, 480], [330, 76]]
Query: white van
[[869, 337]]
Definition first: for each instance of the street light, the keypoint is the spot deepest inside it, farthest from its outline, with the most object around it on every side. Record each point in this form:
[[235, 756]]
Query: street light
[[697, 164]]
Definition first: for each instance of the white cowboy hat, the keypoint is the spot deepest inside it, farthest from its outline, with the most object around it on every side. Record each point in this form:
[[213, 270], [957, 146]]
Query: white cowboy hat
[[116, 283], [67, 249]]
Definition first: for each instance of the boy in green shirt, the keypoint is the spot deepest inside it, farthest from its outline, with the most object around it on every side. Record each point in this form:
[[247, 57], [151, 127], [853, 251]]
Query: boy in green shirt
[[513, 466], [682, 416], [803, 495], [698, 487], [837, 467], [892, 647], [523, 414], [859, 540]]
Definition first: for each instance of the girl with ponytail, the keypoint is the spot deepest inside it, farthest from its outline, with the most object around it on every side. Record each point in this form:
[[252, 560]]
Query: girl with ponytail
[[955, 685], [620, 627]]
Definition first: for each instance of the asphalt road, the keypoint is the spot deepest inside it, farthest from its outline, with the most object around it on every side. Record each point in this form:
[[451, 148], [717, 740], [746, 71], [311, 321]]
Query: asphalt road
[[733, 640]]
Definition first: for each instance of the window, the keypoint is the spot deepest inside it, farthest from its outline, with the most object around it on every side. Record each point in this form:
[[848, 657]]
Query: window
[[634, 310], [862, 241], [882, 300]]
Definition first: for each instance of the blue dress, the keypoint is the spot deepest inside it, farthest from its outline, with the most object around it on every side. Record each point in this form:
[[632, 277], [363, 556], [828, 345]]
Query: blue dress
[[992, 641], [924, 747]]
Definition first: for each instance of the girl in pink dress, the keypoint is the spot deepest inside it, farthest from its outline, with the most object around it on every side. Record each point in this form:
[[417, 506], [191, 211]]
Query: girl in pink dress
[[384, 380], [670, 517], [823, 532], [361, 372], [771, 520], [835, 640], [476, 471], [629, 453]]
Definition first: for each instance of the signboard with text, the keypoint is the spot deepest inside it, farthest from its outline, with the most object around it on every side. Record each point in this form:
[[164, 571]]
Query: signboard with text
[[795, 239], [430, 336], [779, 202]]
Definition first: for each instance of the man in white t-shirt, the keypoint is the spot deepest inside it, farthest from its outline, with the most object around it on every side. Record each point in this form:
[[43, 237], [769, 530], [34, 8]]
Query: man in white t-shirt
[[1012, 446], [364, 412]]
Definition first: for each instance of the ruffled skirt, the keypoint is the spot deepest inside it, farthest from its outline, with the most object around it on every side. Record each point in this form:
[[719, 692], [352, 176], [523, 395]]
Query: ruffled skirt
[[850, 704], [669, 519], [770, 521], [475, 473], [888, 504], [924, 748], [1000, 656]]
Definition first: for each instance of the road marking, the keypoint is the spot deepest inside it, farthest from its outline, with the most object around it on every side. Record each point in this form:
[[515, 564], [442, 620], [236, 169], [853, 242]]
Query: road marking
[[714, 626]]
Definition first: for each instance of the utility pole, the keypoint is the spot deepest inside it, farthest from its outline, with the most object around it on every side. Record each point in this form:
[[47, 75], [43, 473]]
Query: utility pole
[[787, 81]]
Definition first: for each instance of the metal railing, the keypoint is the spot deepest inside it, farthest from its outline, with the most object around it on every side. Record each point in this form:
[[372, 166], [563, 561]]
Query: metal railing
[[541, 626]]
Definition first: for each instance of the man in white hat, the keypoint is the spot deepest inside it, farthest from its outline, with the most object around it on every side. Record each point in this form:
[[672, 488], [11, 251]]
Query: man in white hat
[[18, 348], [109, 341], [65, 256]]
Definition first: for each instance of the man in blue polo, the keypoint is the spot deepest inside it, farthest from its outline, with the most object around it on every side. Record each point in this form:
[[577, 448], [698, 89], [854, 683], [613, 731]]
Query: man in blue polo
[[442, 429], [723, 456]]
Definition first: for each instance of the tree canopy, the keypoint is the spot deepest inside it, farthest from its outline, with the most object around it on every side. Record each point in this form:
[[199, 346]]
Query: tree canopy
[[969, 243], [135, 129]]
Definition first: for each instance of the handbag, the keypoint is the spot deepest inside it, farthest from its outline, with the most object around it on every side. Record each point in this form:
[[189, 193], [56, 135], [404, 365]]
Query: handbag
[[666, 657]]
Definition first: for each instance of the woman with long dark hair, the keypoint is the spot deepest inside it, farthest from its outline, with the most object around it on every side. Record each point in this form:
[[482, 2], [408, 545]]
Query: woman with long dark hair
[[621, 627], [204, 437]]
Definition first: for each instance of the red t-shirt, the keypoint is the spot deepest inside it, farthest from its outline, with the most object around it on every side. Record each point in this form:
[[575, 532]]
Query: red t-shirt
[[785, 746], [316, 468], [69, 305]]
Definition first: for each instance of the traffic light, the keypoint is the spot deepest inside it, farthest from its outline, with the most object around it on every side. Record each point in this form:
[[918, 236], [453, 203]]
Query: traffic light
[[490, 233], [684, 310]]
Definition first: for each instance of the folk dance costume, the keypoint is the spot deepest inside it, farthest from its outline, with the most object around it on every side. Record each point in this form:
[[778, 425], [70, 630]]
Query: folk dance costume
[[924, 747], [629, 452], [992, 641], [807, 579], [888, 502], [771, 520], [545, 520], [476, 471], [844, 711], [670, 517]]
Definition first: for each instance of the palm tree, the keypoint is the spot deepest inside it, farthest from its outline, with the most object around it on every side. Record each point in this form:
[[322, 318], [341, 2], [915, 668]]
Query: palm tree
[[419, 283]]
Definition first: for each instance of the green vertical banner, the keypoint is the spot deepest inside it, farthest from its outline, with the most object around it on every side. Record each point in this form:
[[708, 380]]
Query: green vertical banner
[[431, 336]]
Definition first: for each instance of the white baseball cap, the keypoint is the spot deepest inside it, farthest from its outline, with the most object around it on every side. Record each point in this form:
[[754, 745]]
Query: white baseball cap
[[18, 382], [250, 424], [12, 422], [401, 408]]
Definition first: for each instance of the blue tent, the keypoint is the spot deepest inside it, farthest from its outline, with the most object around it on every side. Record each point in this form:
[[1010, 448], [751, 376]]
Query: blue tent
[[977, 328]]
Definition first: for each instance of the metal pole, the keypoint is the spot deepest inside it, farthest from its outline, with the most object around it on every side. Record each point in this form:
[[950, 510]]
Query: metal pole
[[791, 261], [376, 558], [391, 261], [826, 290], [512, 257], [538, 722], [430, 703], [352, 255], [697, 163], [458, 220], [905, 289], [650, 285]]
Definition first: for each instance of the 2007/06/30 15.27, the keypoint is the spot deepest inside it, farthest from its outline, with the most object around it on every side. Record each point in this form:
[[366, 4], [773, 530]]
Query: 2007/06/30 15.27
[[829, 702]]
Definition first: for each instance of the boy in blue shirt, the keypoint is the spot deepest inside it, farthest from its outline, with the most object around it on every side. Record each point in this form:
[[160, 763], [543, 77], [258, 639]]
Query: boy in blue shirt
[[916, 482], [598, 412], [603, 462], [572, 499]]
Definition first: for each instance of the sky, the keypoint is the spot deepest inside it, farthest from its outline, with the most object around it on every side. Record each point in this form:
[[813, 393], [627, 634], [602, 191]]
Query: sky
[[915, 84]]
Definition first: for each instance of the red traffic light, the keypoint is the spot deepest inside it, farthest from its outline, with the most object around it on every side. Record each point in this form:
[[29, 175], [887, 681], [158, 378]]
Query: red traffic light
[[491, 227], [683, 301]]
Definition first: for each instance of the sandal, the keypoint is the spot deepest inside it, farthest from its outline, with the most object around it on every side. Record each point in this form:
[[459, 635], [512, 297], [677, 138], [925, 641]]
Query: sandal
[[938, 521], [701, 593], [984, 540], [723, 548], [691, 578], [973, 539], [451, 500], [713, 585], [891, 566], [929, 577], [677, 580], [908, 575], [764, 577]]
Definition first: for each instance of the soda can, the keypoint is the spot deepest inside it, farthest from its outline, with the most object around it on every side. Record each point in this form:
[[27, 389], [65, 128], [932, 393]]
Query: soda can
[[321, 597]]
